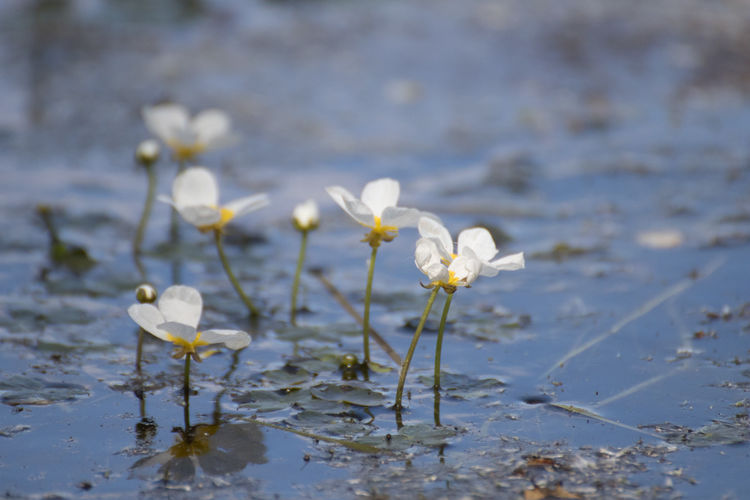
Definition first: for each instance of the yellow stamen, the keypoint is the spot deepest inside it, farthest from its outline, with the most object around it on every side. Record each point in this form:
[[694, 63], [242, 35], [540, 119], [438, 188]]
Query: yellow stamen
[[225, 215], [380, 233], [186, 347], [185, 151]]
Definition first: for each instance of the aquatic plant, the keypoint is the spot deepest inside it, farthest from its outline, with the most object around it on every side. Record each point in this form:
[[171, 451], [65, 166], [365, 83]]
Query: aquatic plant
[[188, 136], [175, 319], [146, 154], [305, 218], [195, 196], [434, 256], [145, 294], [377, 210]]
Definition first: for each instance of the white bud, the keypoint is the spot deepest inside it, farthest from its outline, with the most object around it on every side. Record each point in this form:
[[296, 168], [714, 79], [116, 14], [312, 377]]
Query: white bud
[[306, 216], [147, 152]]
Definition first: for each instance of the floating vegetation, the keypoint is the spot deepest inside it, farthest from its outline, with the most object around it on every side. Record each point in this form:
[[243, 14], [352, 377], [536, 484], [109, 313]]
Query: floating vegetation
[[20, 390]]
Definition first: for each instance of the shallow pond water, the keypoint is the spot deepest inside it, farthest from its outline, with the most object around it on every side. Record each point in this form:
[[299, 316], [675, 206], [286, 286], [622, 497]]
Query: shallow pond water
[[607, 142]]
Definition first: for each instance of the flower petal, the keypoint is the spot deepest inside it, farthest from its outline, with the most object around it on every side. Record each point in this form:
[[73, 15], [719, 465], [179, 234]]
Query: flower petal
[[195, 186], [360, 212], [430, 228], [351, 205], [466, 269], [247, 204], [200, 216], [511, 262], [212, 128], [179, 330], [166, 199], [400, 217], [181, 304], [233, 339], [166, 121], [340, 195], [480, 241], [379, 194], [426, 254], [148, 317]]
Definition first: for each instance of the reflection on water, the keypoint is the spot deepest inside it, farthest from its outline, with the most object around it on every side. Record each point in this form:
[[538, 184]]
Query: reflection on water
[[217, 449]]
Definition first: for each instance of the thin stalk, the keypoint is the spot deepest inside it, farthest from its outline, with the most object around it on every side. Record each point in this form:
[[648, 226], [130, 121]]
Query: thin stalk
[[139, 352], [436, 408], [186, 386], [220, 248], [150, 194], [412, 346], [439, 343], [186, 392], [295, 285], [366, 315]]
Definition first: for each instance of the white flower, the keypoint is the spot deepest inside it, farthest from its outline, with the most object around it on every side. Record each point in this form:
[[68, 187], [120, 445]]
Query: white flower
[[306, 216], [176, 320], [188, 137], [377, 209], [474, 255], [195, 196]]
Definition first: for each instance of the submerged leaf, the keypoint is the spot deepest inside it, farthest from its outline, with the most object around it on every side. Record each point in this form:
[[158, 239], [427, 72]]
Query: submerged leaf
[[351, 394], [459, 386], [22, 390], [272, 400], [411, 435], [716, 433]]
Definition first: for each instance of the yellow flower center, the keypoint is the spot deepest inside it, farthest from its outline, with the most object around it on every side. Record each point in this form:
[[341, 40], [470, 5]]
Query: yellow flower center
[[380, 233], [185, 151], [225, 215], [185, 346]]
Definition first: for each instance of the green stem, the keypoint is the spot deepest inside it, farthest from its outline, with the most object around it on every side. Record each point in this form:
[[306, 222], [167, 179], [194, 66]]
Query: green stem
[[412, 346], [220, 247], [187, 375], [366, 315], [295, 285], [150, 194], [436, 408], [439, 343], [139, 352], [186, 392]]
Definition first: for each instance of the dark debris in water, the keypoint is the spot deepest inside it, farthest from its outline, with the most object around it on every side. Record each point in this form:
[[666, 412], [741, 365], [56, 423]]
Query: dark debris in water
[[507, 467], [563, 251], [13, 430]]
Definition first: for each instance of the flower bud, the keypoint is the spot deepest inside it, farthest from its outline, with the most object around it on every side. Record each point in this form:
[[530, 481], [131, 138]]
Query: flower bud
[[145, 294], [348, 360], [305, 216], [147, 152]]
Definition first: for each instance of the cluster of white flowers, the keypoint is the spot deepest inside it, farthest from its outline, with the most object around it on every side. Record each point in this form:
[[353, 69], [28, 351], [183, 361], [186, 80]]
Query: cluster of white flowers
[[195, 196]]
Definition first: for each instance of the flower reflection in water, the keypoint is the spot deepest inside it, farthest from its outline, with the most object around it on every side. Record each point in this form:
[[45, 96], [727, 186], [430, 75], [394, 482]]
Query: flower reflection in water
[[217, 449]]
